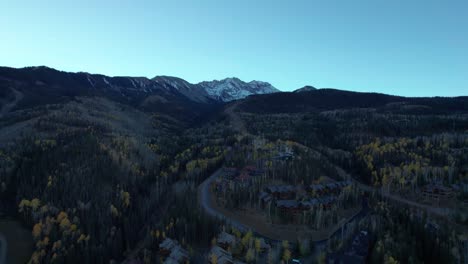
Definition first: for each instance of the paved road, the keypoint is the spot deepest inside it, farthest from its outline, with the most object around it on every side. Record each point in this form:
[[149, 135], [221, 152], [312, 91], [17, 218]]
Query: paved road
[[3, 249], [394, 197], [205, 202]]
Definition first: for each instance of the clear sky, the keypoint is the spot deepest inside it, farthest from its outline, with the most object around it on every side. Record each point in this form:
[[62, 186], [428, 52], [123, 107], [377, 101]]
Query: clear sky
[[404, 47]]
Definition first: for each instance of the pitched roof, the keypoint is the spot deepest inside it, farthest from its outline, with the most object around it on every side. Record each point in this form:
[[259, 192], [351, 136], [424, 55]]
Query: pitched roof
[[281, 188], [224, 237], [287, 203], [178, 254], [168, 244]]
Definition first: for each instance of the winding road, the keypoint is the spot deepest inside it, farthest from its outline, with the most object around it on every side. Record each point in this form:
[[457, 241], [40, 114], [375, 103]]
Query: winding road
[[205, 202]]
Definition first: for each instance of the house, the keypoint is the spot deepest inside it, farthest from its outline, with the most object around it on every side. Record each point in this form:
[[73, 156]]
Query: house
[[220, 256], [309, 204], [165, 247], [173, 252], [265, 198], [289, 206], [283, 192], [284, 154], [328, 188], [178, 255], [436, 191], [317, 189], [226, 240], [326, 201]]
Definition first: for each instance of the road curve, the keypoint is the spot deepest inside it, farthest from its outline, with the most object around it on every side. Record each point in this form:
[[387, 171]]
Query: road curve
[[205, 202]]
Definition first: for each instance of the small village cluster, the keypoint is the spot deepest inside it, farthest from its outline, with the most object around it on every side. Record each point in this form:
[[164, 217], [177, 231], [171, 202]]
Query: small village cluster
[[296, 199], [287, 198], [221, 251], [172, 252]]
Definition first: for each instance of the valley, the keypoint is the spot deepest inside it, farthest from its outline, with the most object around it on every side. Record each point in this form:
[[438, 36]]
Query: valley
[[102, 169]]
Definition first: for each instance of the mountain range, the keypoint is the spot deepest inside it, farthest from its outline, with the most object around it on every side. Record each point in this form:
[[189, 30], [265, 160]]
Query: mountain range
[[225, 90], [28, 87], [119, 158]]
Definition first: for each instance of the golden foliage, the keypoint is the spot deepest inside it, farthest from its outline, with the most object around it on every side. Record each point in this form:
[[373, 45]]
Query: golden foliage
[[125, 196], [37, 230]]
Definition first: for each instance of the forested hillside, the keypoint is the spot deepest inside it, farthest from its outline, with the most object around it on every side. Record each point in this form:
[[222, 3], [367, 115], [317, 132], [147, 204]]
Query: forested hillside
[[104, 169]]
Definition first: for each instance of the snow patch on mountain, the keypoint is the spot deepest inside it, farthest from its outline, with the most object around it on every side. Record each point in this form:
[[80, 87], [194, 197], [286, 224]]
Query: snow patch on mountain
[[193, 91], [230, 89]]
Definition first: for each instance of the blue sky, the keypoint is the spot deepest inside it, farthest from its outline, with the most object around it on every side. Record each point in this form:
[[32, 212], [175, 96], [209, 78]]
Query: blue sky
[[412, 48]]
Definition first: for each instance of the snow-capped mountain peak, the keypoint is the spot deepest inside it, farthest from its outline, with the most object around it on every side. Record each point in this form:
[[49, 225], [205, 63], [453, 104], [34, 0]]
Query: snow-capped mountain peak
[[233, 88]]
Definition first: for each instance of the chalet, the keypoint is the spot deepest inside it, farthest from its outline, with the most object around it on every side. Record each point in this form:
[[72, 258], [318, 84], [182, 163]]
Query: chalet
[[283, 192], [284, 155], [289, 206], [328, 188], [177, 256], [345, 183], [265, 198], [309, 204], [326, 201], [332, 187], [316, 189], [173, 252], [226, 240], [436, 191], [218, 255], [165, 247]]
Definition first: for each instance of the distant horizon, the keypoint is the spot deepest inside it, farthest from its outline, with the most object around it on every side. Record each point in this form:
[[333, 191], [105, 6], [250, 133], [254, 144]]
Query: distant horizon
[[246, 81], [410, 48]]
